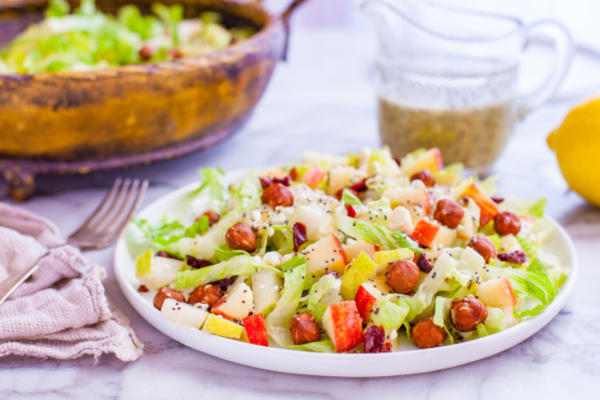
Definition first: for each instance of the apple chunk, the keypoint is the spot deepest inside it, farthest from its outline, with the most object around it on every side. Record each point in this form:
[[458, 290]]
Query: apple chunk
[[486, 205], [430, 159], [256, 330], [497, 293], [425, 232], [343, 324], [366, 296], [325, 255], [183, 313], [237, 304]]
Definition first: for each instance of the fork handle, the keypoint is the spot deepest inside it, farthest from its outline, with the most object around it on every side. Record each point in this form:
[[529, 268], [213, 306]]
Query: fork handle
[[12, 282]]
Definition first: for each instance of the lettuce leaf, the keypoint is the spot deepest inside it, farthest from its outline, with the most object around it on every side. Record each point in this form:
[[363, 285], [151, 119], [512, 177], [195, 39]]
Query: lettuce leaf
[[324, 292], [171, 16], [495, 322], [146, 26], [350, 199], [293, 284], [239, 265], [224, 253], [293, 262], [374, 233], [213, 181], [534, 285], [320, 346], [57, 8], [164, 234], [390, 311]]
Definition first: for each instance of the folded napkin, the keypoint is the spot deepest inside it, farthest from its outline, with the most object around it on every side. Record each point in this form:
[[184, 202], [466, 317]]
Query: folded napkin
[[62, 311]]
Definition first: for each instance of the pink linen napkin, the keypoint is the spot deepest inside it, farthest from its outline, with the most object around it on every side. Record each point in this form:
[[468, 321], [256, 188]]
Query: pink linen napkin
[[62, 311]]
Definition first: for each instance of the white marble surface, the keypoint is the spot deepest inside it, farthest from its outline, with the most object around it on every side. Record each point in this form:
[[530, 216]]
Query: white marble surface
[[323, 99]]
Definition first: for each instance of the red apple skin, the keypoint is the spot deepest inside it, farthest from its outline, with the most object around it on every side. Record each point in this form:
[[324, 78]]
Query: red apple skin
[[347, 325], [313, 176], [437, 155], [486, 205], [364, 302], [424, 232], [341, 251], [256, 330]]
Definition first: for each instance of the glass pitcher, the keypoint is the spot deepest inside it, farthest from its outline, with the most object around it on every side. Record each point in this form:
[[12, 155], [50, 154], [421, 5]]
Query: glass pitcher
[[447, 77]]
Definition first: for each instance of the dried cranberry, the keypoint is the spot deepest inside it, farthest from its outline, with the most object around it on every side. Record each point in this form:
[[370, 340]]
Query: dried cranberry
[[350, 210], [497, 199], [423, 263], [360, 186], [166, 255], [340, 193], [299, 230], [225, 283], [374, 339], [196, 262], [516, 257], [397, 160], [143, 289]]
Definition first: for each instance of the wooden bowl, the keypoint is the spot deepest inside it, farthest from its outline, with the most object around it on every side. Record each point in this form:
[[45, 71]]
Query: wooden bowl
[[80, 121]]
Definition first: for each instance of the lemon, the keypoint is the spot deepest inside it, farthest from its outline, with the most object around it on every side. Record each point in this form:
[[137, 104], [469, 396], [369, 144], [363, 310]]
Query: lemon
[[576, 144]]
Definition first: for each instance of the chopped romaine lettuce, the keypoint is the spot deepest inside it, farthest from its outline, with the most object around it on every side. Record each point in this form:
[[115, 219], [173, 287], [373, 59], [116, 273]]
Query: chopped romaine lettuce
[[224, 253], [163, 235], [324, 292], [320, 346], [350, 199], [293, 284], [494, 322], [57, 8], [374, 233], [293, 263], [390, 312], [213, 181], [239, 265]]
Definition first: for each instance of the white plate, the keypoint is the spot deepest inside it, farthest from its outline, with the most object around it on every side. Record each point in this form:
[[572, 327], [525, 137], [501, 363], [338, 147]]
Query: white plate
[[402, 362]]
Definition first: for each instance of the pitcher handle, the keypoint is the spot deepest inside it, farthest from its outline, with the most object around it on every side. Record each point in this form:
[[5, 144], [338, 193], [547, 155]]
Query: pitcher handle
[[285, 20], [563, 55]]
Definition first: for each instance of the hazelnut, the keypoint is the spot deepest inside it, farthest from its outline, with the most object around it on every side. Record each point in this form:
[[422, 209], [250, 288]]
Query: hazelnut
[[167, 293], [402, 276], [507, 223], [304, 328], [146, 53], [426, 334], [448, 212], [483, 246], [206, 294], [213, 217], [467, 312], [240, 236], [424, 176], [278, 195]]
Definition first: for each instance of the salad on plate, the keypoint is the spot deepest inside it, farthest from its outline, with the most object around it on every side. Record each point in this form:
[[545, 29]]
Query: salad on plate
[[354, 253]]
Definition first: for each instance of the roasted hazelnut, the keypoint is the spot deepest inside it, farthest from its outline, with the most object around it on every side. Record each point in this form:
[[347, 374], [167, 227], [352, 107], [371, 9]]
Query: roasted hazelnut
[[278, 195], [167, 293], [213, 216], [146, 52], [448, 212], [467, 312], [240, 236], [206, 294], [426, 334], [424, 176], [483, 246], [304, 328], [507, 223], [402, 276]]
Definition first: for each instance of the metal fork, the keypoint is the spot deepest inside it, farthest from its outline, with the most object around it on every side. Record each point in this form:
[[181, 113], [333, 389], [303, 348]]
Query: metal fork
[[99, 230]]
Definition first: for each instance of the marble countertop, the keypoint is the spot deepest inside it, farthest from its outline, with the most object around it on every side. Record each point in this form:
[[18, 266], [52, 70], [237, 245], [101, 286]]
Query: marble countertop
[[323, 99]]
